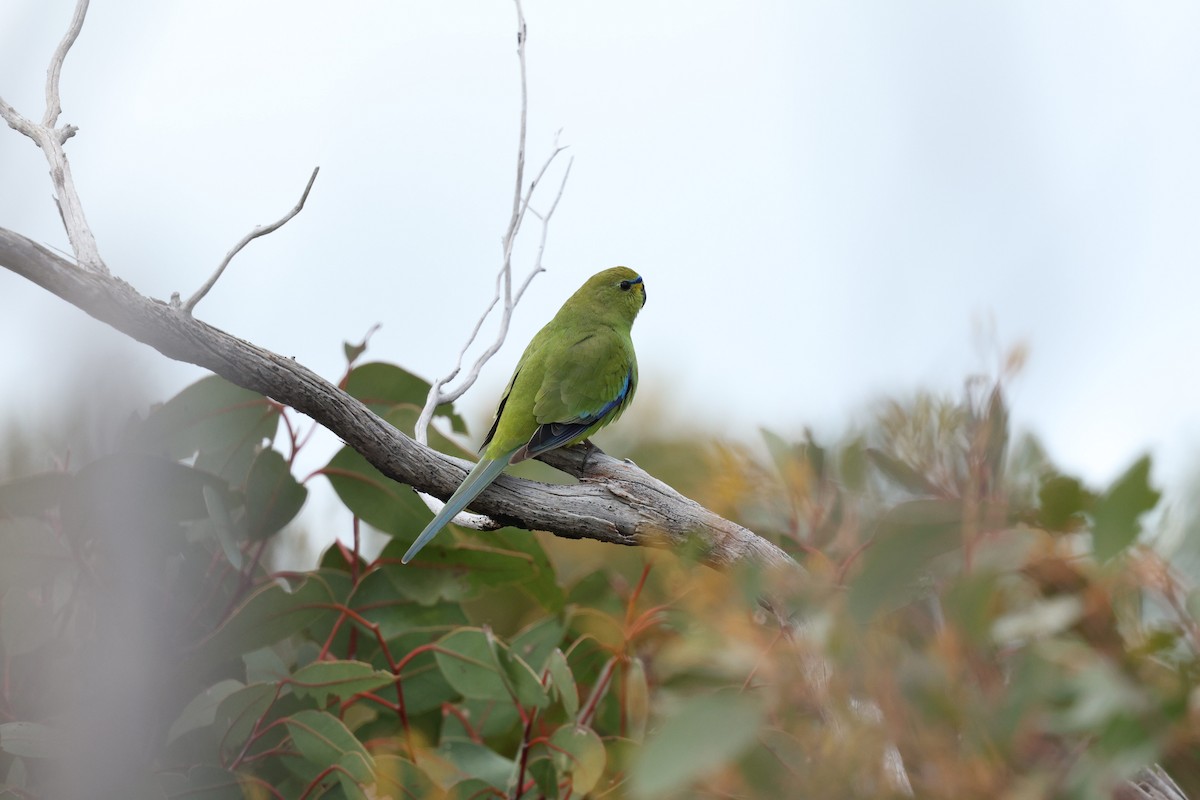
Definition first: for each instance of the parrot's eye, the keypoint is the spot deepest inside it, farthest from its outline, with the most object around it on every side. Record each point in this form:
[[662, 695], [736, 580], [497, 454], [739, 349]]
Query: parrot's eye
[[625, 286]]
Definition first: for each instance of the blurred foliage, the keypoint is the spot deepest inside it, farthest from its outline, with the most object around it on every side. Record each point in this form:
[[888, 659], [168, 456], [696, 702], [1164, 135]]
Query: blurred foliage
[[972, 623]]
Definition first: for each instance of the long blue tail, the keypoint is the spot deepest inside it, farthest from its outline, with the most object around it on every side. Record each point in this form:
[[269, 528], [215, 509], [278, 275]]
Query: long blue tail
[[482, 474]]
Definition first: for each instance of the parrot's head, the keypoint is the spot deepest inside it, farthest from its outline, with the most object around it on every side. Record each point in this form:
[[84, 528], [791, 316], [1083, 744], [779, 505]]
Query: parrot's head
[[618, 291]]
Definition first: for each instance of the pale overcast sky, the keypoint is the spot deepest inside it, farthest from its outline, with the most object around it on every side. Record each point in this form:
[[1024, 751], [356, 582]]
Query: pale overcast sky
[[825, 198]]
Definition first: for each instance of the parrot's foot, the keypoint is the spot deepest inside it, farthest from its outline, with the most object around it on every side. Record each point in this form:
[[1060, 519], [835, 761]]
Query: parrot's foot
[[588, 449]]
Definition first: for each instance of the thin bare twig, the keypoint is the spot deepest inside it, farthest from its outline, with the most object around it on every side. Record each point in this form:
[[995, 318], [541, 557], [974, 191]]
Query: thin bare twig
[[261, 230], [50, 140], [503, 283], [436, 394], [545, 220], [522, 196], [54, 73]]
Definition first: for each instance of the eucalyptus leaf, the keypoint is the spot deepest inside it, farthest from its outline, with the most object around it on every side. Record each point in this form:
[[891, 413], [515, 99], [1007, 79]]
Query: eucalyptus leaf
[[322, 680], [268, 614], [469, 663], [1115, 514], [700, 738], [323, 740], [564, 682], [579, 753], [273, 496]]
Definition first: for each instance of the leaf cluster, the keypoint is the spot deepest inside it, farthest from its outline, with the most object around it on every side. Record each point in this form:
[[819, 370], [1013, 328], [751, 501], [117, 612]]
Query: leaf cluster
[[973, 623]]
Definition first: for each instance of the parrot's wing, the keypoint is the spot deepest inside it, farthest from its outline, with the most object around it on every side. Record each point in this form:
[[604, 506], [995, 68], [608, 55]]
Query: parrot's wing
[[586, 386], [531, 355], [500, 410]]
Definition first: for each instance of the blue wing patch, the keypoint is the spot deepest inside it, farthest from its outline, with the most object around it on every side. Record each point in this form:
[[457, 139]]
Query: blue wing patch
[[556, 434]]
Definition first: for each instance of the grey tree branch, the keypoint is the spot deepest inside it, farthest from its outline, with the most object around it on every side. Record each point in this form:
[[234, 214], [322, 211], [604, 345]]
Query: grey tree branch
[[615, 501], [261, 230], [50, 140]]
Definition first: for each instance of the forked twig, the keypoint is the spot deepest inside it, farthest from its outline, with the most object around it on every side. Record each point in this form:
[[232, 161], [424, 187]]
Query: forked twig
[[522, 196], [261, 230], [50, 139]]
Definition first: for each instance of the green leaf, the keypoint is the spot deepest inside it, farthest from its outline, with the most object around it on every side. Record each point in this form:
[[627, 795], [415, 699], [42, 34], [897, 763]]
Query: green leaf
[[540, 581], [29, 740], [545, 777], [474, 789], [900, 473], [563, 681], [202, 710], [908, 538], [273, 496], [1061, 501], [223, 423], [269, 614], [379, 501], [852, 465], [470, 662], [401, 779], [354, 351], [378, 599], [322, 680], [323, 740], [637, 699], [238, 712], [602, 627], [447, 571], [970, 603], [221, 525], [705, 734], [813, 454], [1115, 513], [536, 642], [477, 761], [465, 659], [579, 753], [405, 626], [523, 683], [382, 386]]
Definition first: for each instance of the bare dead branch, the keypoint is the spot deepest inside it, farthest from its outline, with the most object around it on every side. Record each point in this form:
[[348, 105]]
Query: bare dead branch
[[437, 395], [50, 140], [54, 73], [522, 196], [261, 230], [615, 501], [545, 220]]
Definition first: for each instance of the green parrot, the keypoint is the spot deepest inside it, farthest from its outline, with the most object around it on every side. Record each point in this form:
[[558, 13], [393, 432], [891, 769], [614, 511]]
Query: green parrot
[[576, 376]]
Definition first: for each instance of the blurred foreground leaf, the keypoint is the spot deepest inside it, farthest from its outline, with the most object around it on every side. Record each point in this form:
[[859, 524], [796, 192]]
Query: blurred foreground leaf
[[698, 739], [908, 538], [1116, 512]]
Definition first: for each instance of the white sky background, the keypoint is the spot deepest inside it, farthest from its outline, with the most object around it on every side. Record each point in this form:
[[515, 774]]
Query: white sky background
[[825, 198]]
